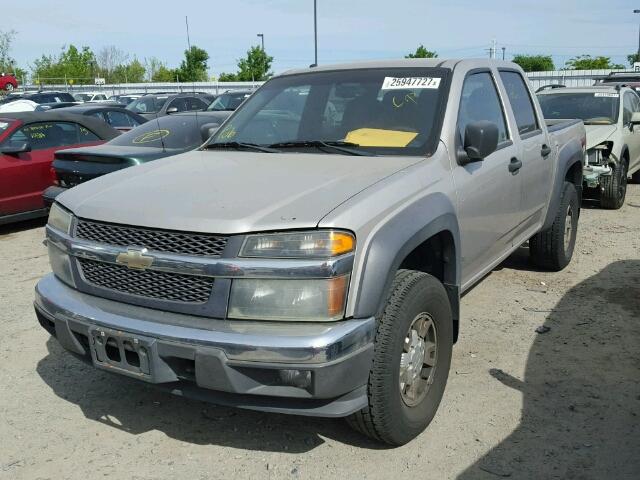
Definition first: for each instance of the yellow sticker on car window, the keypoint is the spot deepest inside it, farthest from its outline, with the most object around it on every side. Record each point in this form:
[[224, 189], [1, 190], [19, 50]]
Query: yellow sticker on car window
[[151, 136], [376, 137]]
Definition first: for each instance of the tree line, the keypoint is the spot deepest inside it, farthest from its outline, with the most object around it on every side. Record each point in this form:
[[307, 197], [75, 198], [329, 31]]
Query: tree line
[[81, 65], [544, 63]]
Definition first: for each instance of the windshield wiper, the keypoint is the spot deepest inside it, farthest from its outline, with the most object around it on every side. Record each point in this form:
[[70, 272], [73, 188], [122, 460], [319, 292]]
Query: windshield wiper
[[345, 147], [240, 146]]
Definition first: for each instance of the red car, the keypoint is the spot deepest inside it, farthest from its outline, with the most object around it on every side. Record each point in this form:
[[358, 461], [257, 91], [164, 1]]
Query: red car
[[28, 141], [8, 82]]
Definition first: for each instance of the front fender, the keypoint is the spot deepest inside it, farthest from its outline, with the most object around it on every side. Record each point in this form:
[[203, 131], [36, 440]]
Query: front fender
[[568, 156], [395, 239]]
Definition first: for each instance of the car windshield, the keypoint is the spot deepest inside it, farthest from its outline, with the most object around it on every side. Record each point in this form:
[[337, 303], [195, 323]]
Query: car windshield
[[82, 97], [593, 107], [147, 104], [382, 111], [227, 101], [172, 132]]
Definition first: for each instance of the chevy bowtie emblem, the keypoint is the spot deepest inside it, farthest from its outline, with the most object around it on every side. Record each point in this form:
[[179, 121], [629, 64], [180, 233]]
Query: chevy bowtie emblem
[[135, 259]]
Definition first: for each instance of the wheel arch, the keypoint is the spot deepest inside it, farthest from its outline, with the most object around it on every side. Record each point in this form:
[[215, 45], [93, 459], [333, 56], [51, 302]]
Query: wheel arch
[[424, 236]]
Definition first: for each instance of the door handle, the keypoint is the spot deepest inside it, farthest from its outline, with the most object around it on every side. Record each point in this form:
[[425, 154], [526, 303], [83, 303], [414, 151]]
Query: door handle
[[515, 165], [546, 150]]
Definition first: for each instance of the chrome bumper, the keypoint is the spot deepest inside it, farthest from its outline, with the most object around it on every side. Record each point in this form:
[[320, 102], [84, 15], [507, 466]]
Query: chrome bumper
[[257, 341]]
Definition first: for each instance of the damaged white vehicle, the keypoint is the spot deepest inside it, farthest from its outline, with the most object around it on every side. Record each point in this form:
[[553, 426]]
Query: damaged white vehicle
[[611, 116]]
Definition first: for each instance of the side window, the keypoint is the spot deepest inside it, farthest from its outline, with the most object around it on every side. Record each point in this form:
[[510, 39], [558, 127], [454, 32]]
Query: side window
[[630, 105], [521, 102], [118, 119], [194, 104], [178, 103], [480, 101]]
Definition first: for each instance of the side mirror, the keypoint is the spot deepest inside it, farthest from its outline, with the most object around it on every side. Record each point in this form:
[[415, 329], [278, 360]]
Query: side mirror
[[635, 118], [480, 141], [171, 110], [208, 130], [15, 148]]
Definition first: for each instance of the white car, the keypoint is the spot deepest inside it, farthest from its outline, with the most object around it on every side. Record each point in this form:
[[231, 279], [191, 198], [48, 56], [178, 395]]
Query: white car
[[90, 97], [19, 105], [611, 115]]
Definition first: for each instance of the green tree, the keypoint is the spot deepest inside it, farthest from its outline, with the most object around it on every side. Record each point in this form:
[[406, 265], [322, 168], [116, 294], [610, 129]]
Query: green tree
[[133, 72], [164, 74], [72, 64], [587, 62], [194, 66], [534, 63], [228, 77], [7, 63], [633, 58], [255, 67], [422, 52]]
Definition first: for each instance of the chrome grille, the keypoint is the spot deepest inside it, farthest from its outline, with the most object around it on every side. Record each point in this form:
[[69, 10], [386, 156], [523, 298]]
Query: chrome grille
[[153, 239], [147, 283]]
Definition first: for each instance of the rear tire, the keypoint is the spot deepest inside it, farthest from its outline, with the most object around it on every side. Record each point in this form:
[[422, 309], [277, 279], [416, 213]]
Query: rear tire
[[9, 87], [552, 249], [412, 356], [615, 187]]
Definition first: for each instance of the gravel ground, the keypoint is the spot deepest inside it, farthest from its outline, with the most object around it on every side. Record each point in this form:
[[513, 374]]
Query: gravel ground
[[563, 404]]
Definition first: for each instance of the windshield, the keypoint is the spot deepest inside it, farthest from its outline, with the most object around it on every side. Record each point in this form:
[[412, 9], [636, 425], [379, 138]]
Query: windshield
[[175, 132], [147, 104], [228, 101], [82, 97], [592, 107], [393, 111]]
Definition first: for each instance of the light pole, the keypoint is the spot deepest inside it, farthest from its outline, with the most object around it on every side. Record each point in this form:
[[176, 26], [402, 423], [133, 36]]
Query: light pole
[[638, 55], [315, 31], [264, 55]]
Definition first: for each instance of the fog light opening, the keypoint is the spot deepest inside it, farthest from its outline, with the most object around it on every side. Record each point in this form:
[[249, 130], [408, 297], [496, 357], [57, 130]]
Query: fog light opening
[[296, 378]]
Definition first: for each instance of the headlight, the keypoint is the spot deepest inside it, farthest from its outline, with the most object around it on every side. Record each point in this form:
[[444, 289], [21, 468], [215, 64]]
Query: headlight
[[60, 264], [60, 218], [296, 300], [317, 244]]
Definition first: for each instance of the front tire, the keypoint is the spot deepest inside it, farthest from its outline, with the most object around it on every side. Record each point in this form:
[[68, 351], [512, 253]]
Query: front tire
[[9, 87], [552, 249], [615, 187], [412, 356]]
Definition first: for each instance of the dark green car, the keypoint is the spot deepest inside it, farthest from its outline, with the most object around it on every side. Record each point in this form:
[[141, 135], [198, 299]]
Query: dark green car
[[158, 138]]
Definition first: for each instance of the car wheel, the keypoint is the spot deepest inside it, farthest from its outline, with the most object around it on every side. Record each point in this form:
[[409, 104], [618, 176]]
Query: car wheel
[[552, 248], [614, 187], [412, 355], [9, 87]]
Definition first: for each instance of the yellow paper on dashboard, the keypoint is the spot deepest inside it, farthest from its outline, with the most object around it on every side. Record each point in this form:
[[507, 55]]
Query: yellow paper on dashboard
[[377, 137]]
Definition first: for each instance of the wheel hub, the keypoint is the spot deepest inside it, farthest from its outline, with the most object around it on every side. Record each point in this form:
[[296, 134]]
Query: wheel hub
[[568, 228], [418, 360]]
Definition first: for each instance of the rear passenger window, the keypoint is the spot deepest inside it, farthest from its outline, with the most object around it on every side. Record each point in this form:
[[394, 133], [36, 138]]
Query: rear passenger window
[[46, 135], [118, 119], [521, 103], [480, 101]]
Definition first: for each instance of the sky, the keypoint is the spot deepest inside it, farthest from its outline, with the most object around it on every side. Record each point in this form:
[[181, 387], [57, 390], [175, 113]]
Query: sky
[[348, 30]]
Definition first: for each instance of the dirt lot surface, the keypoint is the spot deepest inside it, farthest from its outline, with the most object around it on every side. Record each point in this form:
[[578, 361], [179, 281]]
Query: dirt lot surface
[[519, 404]]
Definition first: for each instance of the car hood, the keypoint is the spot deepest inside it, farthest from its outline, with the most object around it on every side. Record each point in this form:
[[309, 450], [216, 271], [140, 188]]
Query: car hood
[[230, 192], [596, 134]]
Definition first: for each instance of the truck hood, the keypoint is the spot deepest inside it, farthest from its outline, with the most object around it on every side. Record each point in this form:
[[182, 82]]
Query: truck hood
[[596, 134], [230, 192]]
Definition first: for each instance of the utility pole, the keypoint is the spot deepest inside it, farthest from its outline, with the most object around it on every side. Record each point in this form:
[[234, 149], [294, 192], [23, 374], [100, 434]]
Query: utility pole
[[315, 31], [503, 49], [638, 55]]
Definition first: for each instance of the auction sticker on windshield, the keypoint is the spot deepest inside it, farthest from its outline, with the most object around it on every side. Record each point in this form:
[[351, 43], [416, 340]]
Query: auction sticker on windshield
[[605, 94], [399, 83]]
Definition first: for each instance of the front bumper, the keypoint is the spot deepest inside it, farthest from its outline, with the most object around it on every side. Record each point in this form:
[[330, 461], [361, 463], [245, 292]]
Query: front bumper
[[236, 363]]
